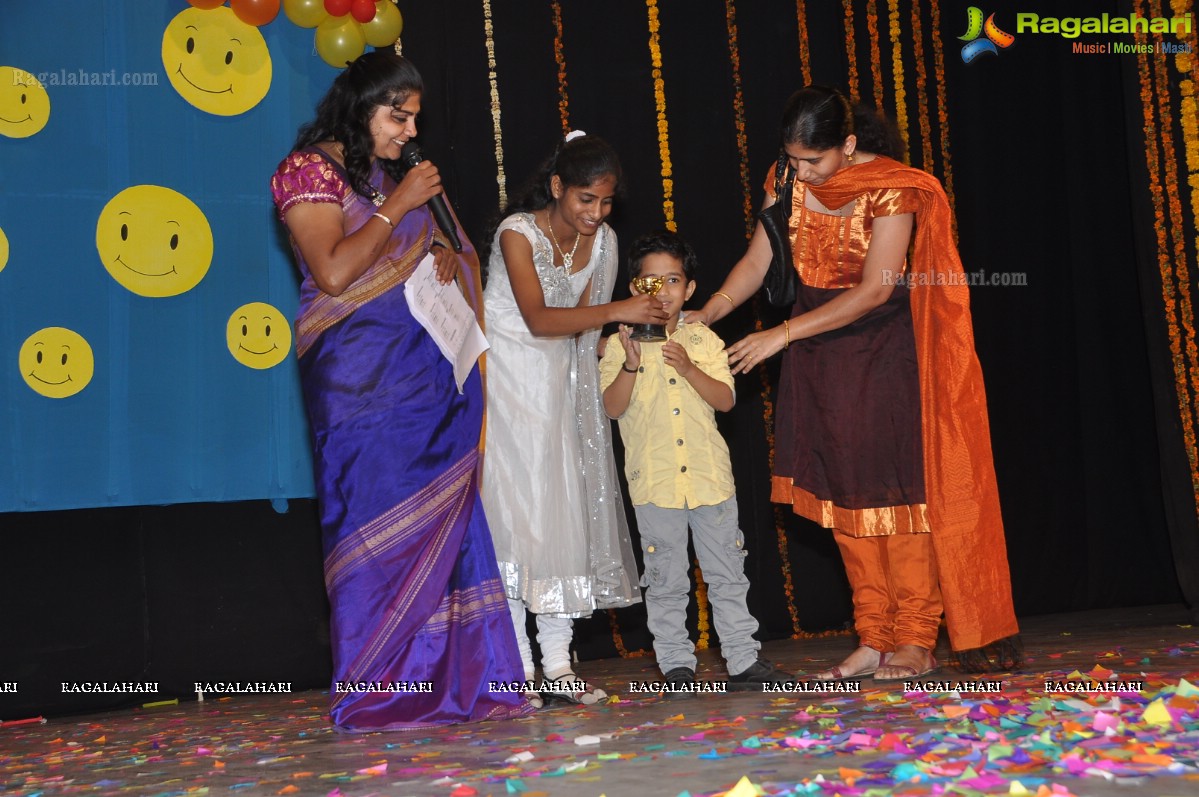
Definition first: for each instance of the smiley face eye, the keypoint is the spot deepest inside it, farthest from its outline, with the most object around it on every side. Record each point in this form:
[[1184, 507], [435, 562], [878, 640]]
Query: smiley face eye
[[22, 99], [191, 45], [228, 58], [39, 358], [175, 241], [244, 330], [124, 232], [268, 330], [64, 358]]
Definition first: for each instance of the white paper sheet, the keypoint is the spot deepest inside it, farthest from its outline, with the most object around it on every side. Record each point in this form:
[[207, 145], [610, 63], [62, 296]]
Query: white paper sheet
[[443, 311]]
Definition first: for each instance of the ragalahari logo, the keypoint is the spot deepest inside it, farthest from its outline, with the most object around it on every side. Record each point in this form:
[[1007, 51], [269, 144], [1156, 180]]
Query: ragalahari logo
[[994, 39]]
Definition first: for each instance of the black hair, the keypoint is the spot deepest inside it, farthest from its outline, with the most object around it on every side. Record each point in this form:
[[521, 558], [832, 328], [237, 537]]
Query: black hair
[[820, 118], [376, 78], [662, 242], [578, 163]]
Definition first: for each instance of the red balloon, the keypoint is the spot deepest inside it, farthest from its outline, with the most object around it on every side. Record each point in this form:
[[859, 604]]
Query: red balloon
[[207, 4], [363, 10], [338, 8], [255, 12]]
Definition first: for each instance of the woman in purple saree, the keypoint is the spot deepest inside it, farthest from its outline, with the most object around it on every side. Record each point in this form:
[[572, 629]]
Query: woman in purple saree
[[419, 623]]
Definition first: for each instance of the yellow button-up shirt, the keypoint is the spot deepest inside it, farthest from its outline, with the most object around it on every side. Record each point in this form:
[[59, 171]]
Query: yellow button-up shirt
[[674, 456]]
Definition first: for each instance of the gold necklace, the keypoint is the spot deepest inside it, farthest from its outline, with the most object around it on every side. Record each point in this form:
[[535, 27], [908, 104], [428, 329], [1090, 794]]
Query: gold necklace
[[568, 260]]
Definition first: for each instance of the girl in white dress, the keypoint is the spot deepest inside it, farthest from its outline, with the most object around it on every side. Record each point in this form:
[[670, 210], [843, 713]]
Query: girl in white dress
[[550, 487]]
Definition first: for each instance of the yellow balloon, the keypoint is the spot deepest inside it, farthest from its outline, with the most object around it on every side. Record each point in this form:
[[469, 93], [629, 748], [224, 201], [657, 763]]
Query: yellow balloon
[[56, 362], [258, 335], [24, 103], [154, 241], [339, 40], [385, 28], [305, 13], [215, 61]]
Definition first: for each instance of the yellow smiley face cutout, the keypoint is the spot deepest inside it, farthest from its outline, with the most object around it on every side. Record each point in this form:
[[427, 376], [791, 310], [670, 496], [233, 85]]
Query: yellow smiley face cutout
[[3, 250], [154, 241], [56, 362], [215, 61], [24, 103], [258, 335]]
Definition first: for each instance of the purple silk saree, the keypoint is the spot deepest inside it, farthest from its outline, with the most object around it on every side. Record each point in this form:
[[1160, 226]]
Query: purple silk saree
[[419, 624]]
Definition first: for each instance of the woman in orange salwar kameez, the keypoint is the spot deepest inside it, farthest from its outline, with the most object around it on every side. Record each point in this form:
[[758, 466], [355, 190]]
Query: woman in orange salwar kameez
[[882, 429]]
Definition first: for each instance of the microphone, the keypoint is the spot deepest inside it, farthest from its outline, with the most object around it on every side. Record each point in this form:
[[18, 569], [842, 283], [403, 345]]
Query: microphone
[[411, 155]]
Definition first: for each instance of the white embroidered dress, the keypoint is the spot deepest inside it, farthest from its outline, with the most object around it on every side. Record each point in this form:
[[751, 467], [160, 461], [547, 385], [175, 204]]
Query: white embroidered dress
[[550, 487]]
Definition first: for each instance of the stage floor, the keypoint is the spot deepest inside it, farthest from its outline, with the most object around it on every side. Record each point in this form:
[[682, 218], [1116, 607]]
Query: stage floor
[[881, 741]]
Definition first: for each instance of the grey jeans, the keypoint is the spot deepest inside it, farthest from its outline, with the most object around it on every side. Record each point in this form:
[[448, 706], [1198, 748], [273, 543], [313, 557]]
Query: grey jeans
[[720, 547]]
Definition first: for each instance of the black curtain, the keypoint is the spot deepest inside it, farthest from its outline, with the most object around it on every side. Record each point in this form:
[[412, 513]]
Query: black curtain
[[169, 595]]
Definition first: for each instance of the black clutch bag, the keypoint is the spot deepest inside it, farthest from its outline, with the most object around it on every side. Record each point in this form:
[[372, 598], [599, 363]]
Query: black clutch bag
[[781, 282]]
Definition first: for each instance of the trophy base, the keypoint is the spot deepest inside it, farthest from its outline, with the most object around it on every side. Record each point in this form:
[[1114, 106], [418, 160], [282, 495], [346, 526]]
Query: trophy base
[[648, 333]]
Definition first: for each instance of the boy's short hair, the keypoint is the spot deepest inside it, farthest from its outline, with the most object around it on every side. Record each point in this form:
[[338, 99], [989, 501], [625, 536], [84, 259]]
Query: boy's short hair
[[665, 242]]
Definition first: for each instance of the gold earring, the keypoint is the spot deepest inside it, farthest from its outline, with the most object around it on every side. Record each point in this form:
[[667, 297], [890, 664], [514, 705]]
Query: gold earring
[[849, 157]]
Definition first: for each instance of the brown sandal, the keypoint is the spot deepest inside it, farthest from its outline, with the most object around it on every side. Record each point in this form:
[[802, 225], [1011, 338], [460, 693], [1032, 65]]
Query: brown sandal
[[911, 673], [836, 675]]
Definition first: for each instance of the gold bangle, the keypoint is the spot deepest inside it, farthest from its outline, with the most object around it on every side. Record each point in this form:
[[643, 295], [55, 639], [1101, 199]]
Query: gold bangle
[[730, 298], [386, 220], [787, 332]]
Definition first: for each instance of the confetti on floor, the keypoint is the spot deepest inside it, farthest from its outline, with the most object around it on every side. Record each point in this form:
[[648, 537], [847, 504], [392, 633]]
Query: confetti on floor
[[1083, 718]]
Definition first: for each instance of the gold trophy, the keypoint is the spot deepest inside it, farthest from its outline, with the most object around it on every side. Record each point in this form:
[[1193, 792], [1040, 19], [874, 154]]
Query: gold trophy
[[648, 332]]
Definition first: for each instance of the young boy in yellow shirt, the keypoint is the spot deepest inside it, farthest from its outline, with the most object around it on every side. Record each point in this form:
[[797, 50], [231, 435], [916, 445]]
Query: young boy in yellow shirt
[[665, 396]]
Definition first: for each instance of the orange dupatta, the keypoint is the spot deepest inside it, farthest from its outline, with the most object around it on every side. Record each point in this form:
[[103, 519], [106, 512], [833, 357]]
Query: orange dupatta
[[959, 474]]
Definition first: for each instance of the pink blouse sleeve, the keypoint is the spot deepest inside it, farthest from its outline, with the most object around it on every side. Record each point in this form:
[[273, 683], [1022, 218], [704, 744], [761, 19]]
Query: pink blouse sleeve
[[306, 177]]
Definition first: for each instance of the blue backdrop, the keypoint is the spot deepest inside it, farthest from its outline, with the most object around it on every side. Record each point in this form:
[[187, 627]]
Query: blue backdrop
[[169, 415]]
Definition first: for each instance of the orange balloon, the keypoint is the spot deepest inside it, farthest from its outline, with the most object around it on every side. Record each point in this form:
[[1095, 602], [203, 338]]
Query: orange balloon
[[207, 4], [255, 12]]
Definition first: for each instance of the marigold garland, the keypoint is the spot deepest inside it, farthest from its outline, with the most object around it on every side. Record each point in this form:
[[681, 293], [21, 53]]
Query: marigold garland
[[618, 639], [747, 208], [730, 14], [1189, 114], [1150, 104], [780, 530], [702, 625], [489, 38], [942, 109], [876, 55], [901, 105], [655, 54], [1188, 68], [851, 49], [805, 55], [1178, 256], [926, 143], [780, 527], [560, 58], [1187, 62], [1176, 218]]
